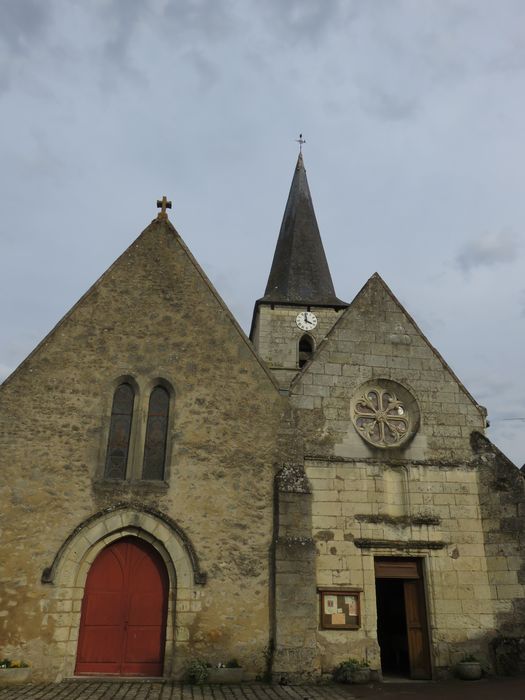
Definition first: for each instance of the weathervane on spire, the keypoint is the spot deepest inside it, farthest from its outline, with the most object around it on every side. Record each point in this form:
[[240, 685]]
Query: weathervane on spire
[[300, 141]]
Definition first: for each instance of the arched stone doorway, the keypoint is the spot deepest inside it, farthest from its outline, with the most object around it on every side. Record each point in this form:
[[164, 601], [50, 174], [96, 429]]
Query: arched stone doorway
[[123, 620], [69, 570]]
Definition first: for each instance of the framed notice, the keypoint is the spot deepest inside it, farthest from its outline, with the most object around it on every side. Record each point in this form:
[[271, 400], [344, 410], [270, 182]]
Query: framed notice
[[340, 610]]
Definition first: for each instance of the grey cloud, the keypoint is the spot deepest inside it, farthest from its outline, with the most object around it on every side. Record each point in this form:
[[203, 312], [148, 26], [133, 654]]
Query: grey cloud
[[488, 250], [390, 106], [487, 387], [23, 25], [308, 19], [208, 17], [508, 436], [22, 22], [206, 71], [177, 23], [121, 19], [114, 32]]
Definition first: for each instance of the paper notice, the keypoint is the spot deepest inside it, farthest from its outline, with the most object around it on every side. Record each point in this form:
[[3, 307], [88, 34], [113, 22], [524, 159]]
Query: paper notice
[[351, 604], [330, 604]]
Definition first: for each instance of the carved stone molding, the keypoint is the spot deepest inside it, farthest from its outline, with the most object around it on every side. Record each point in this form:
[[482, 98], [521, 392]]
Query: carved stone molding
[[384, 413], [364, 543], [136, 509]]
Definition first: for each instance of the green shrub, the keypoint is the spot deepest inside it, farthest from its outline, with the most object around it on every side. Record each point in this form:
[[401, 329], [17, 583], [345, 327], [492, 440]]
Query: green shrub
[[197, 672], [343, 673]]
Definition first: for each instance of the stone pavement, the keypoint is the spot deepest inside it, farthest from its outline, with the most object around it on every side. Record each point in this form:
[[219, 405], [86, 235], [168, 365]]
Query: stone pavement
[[486, 689]]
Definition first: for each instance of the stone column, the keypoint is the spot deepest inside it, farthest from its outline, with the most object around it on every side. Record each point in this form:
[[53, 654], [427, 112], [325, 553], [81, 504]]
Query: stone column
[[295, 656]]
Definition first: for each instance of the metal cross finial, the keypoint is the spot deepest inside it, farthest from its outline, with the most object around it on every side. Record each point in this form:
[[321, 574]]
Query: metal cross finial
[[163, 204], [300, 141]]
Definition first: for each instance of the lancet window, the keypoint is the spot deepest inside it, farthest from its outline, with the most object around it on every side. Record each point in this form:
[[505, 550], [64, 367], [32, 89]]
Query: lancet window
[[156, 434], [119, 432]]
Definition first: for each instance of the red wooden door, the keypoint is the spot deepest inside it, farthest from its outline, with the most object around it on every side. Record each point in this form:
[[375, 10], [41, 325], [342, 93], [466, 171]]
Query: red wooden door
[[123, 620]]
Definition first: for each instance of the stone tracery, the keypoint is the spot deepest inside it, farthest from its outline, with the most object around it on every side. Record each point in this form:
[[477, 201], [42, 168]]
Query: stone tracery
[[382, 413]]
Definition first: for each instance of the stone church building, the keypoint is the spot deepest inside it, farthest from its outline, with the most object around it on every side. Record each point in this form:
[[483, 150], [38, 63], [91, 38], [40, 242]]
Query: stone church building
[[324, 489]]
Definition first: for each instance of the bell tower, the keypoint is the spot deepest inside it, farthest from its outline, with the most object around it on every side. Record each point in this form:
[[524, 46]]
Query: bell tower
[[299, 306]]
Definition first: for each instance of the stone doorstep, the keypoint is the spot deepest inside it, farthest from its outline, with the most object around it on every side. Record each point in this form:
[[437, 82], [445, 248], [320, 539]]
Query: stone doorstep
[[118, 679]]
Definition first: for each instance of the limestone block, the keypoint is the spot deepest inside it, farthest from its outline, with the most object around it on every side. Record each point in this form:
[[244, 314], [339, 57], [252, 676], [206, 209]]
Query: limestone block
[[449, 606], [325, 472], [61, 634], [503, 577], [325, 578], [498, 563], [480, 591], [508, 591], [326, 509], [324, 522]]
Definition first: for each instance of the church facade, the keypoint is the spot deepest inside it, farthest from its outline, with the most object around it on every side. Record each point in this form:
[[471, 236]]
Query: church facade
[[324, 489]]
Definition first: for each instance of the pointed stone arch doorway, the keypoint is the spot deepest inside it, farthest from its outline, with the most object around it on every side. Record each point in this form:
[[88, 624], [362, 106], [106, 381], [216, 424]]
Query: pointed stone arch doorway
[[123, 619]]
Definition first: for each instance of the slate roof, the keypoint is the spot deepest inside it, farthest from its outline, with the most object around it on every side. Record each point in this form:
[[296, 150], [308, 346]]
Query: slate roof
[[299, 274]]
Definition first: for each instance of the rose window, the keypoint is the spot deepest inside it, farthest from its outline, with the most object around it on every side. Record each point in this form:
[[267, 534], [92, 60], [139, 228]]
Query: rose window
[[384, 413]]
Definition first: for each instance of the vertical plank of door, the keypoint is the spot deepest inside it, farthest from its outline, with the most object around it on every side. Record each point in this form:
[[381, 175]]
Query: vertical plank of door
[[101, 624], [146, 609], [418, 651]]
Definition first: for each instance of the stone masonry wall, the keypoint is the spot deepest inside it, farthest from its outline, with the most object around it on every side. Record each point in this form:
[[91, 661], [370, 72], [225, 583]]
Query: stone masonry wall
[[277, 336], [502, 503], [377, 339], [420, 499], [295, 655], [434, 516], [153, 315]]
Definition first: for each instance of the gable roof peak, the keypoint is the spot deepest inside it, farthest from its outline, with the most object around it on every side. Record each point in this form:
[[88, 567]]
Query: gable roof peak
[[300, 274]]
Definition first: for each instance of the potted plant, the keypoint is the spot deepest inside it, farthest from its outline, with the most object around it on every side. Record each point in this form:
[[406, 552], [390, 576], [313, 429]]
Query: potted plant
[[469, 668], [230, 672], [14, 672], [197, 672], [351, 671]]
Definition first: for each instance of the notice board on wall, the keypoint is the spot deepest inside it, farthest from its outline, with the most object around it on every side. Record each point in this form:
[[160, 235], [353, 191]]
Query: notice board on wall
[[340, 609]]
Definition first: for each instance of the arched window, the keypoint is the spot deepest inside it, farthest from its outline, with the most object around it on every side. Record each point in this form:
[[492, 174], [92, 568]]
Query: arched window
[[119, 432], [156, 434], [306, 348]]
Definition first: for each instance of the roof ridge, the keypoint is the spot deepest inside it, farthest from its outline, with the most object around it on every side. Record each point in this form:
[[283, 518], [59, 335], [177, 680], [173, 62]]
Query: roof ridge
[[155, 223], [376, 277]]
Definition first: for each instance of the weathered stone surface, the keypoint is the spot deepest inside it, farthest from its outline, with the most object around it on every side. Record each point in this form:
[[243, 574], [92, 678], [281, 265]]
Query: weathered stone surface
[[152, 315], [423, 499], [273, 490]]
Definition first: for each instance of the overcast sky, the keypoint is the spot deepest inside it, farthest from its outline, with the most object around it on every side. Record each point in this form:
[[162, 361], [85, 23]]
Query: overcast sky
[[413, 113]]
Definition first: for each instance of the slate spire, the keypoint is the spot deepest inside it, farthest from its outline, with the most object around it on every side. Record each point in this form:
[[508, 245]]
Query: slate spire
[[299, 274]]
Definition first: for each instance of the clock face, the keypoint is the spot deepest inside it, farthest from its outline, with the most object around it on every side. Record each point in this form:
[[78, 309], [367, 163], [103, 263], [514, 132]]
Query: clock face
[[306, 320]]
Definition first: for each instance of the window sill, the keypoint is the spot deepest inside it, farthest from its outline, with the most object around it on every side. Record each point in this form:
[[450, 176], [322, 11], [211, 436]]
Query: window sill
[[132, 487]]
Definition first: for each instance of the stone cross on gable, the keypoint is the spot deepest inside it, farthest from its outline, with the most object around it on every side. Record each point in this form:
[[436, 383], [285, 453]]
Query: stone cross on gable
[[163, 204]]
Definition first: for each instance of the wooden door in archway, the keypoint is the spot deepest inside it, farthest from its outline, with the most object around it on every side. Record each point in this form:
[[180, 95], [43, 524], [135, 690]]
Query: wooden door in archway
[[401, 617], [123, 619]]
